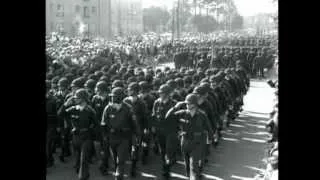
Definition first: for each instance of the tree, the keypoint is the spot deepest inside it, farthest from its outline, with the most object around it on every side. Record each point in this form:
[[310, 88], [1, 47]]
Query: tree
[[237, 22], [203, 23], [154, 17]]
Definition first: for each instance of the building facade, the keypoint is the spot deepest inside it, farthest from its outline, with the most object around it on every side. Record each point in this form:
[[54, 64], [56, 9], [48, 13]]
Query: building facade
[[104, 18]]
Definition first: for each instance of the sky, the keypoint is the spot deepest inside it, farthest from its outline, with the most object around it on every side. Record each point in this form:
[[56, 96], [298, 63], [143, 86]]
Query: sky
[[245, 7]]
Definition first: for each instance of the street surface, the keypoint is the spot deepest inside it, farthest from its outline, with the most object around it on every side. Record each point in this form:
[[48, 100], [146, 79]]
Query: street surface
[[240, 154]]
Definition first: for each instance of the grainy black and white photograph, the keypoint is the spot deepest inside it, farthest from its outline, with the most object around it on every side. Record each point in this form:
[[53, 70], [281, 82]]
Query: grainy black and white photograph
[[162, 89]]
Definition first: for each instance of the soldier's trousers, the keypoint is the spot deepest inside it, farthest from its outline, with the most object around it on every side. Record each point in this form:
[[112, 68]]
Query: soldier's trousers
[[193, 149], [50, 144], [143, 148], [168, 144], [105, 155], [119, 146], [82, 144], [65, 145], [261, 71]]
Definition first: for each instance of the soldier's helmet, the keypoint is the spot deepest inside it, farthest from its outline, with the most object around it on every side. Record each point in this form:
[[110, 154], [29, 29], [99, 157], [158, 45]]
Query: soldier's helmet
[[117, 83], [164, 89], [102, 86], [156, 82], [98, 73], [131, 79], [77, 83], [143, 86], [93, 76], [205, 85], [48, 84], [133, 87], [55, 80], [171, 83], [63, 82], [117, 92], [104, 78], [179, 82], [192, 99], [90, 84], [82, 94], [199, 90]]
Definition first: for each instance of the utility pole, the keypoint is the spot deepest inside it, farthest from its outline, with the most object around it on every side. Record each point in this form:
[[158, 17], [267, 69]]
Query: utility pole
[[109, 19], [173, 14], [178, 20], [119, 19]]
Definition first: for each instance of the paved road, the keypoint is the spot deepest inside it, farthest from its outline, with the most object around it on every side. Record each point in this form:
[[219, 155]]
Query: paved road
[[239, 155]]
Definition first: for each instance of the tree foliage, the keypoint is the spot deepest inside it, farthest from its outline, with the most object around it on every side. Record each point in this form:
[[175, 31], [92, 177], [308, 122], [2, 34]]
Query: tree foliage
[[153, 17], [237, 22], [203, 23]]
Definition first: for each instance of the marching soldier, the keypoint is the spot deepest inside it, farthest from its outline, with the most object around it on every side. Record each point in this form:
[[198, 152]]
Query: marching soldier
[[194, 122], [149, 99], [164, 131], [89, 86], [99, 101], [120, 124], [83, 120], [206, 107], [52, 125], [140, 111], [70, 100]]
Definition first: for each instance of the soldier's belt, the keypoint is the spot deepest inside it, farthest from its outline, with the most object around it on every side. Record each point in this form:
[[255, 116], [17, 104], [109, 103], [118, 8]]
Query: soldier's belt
[[197, 133], [83, 130], [121, 130], [191, 133]]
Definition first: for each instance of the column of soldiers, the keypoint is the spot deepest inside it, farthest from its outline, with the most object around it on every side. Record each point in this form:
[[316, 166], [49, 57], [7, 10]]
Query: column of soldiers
[[122, 112], [254, 59]]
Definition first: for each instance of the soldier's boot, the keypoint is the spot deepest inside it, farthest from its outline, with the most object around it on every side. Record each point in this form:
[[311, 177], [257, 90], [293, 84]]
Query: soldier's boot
[[66, 147], [187, 165], [118, 177], [155, 148], [133, 169], [50, 162], [61, 158], [145, 154], [166, 171], [93, 156], [104, 166], [207, 153]]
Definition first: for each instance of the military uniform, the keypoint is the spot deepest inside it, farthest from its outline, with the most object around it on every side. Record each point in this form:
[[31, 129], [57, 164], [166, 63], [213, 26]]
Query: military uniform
[[208, 109], [165, 131], [148, 99], [193, 136], [52, 125], [120, 125], [66, 121], [139, 109], [83, 120], [99, 102]]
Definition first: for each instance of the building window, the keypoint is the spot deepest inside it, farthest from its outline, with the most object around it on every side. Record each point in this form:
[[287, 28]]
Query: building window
[[94, 10], [77, 8], [59, 27], [93, 28], [60, 12], [51, 7], [52, 26], [59, 7], [86, 11]]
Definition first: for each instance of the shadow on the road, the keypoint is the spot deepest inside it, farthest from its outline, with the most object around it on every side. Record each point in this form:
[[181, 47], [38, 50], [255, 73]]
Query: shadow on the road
[[253, 112], [252, 118]]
